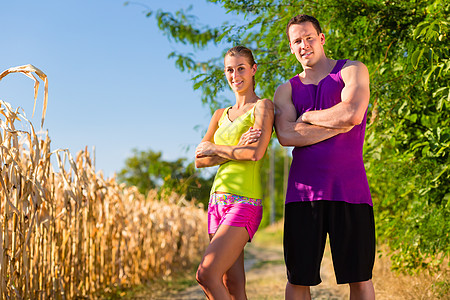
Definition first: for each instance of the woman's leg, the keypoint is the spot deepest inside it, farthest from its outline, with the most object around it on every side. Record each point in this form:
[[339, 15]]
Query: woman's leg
[[234, 279], [225, 248]]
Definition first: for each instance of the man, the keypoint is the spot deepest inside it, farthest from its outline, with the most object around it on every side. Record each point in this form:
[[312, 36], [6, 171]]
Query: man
[[322, 113]]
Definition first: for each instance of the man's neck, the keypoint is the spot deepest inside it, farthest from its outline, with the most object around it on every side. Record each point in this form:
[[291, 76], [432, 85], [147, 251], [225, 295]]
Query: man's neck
[[313, 74]]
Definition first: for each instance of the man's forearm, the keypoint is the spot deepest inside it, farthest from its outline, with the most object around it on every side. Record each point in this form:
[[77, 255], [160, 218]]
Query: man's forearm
[[340, 116], [300, 134]]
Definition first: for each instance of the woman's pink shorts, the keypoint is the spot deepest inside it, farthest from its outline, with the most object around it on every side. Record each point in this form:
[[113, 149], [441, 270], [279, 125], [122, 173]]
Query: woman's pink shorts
[[234, 210]]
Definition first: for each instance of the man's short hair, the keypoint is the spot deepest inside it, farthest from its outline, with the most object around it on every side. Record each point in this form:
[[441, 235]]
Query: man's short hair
[[301, 19]]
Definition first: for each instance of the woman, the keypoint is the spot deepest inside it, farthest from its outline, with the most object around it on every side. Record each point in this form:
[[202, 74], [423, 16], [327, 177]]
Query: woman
[[237, 140]]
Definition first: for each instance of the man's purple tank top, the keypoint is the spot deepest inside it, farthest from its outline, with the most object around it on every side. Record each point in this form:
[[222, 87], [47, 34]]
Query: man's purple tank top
[[332, 169]]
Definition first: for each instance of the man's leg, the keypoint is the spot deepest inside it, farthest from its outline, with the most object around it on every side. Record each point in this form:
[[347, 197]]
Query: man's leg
[[297, 292], [362, 290], [303, 242], [352, 240]]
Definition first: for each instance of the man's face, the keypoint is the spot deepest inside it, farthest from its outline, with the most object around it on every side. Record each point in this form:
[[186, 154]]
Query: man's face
[[306, 44]]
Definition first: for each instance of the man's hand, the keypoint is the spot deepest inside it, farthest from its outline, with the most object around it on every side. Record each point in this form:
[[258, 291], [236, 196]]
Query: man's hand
[[250, 136]]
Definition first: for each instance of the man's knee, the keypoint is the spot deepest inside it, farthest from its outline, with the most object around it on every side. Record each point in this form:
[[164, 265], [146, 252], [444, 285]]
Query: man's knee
[[361, 285], [362, 290], [294, 291]]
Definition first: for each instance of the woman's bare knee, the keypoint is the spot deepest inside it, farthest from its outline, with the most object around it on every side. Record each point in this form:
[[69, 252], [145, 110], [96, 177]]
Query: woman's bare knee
[[202, 276], [207, 277]]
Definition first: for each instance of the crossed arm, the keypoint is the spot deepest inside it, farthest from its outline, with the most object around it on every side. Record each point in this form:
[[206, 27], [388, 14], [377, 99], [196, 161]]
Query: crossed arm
[[252, 145], [316, 126]]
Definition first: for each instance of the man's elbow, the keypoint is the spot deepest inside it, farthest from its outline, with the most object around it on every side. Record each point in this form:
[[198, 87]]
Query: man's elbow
[[355, 115], [355, 120], [285, 142]]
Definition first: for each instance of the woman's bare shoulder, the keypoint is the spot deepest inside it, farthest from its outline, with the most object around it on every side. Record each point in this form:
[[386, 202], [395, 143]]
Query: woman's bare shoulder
[[265, 103]]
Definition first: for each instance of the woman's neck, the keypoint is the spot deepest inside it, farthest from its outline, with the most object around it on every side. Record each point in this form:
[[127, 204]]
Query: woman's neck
[[244, 99]]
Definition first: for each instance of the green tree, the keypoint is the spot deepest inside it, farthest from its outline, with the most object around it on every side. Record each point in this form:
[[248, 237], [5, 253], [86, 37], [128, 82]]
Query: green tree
[[405, 46], [147, 170]]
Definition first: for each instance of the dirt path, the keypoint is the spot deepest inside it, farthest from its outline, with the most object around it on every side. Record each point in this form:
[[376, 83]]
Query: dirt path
[[266, 277]]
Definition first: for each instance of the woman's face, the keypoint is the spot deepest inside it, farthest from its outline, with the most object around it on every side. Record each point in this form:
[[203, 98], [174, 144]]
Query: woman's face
[[239, 73]]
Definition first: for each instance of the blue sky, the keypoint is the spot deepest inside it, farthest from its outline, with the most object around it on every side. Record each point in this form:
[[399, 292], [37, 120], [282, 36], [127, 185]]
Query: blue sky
[[111, 84]]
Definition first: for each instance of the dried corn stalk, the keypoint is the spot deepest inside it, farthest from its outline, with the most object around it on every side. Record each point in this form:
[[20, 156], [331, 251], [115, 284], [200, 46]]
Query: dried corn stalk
[[73, 233], [28, 71]]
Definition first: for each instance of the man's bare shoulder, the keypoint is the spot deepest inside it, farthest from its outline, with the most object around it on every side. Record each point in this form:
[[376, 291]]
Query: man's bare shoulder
[[286, 85], [354, 69], [353, 64], [283, 90]]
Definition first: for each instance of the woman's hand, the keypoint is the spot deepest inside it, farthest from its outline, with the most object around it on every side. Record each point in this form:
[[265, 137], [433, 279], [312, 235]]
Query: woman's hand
[[250, 136], [205, 149]]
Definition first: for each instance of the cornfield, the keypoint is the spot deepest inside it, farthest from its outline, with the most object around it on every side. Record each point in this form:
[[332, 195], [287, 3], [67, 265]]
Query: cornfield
[[73, 233]]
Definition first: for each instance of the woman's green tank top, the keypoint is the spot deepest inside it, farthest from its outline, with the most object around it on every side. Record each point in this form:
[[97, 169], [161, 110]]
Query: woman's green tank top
[[237, 176]]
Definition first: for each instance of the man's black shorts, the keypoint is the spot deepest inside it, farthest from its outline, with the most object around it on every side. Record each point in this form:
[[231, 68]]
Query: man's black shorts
[[351, 229]]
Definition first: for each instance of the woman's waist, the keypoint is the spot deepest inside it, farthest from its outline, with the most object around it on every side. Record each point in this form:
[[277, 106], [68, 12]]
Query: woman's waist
[[239, 172], [223, 198], [243, 166]]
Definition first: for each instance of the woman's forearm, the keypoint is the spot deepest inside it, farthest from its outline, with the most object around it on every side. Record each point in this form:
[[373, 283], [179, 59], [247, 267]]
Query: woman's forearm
[[209, 161], [240, 152]]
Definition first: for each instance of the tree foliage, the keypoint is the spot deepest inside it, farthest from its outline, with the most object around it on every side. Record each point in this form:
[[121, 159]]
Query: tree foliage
[[147, 170], [405, 46]]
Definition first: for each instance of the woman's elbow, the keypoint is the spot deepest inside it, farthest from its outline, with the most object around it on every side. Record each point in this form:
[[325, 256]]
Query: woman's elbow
[[257, 155], [198, 164]]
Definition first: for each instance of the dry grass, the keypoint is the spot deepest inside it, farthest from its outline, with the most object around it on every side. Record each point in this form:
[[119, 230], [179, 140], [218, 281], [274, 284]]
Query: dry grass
[[72, 233], [420, 286]]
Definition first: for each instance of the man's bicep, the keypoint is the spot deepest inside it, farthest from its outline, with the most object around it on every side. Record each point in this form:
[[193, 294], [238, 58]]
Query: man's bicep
[[356, 91], [284, 108]]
